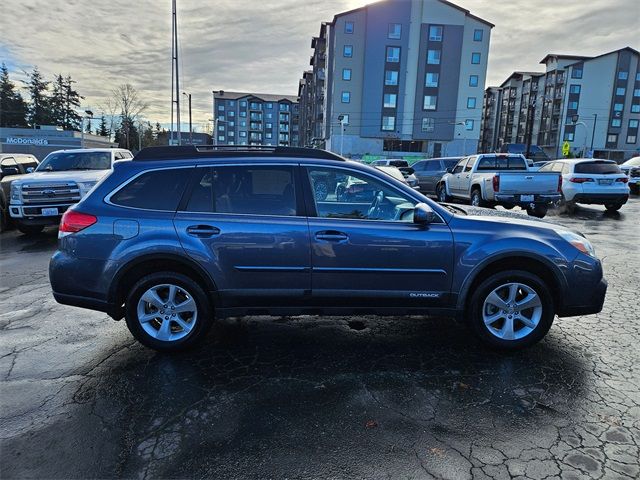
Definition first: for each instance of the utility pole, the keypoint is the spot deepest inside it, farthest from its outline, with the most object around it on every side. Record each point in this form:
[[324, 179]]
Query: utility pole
[[190, 124], [175, 74], [593, 134]]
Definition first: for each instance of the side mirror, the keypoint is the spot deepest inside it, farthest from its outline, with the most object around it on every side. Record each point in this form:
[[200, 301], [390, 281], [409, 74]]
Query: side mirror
[[450, 169], [423, 215], [30, 169]]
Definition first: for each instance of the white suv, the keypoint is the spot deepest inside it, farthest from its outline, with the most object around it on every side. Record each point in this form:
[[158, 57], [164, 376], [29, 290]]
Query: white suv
[[591, 181]]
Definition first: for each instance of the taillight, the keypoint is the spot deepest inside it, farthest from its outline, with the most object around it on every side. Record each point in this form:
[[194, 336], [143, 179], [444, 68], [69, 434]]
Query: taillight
[[559, 183], [496, 183], [581, 180], [73, 221], [623, 180]]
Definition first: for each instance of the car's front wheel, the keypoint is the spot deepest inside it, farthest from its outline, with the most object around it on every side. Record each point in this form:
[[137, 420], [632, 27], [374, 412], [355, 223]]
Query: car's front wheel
[[511, 310], [168, 311], [613, 207], [441, 192]]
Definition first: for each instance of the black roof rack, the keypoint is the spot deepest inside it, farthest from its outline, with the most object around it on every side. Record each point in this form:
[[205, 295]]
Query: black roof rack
[[212, 151]]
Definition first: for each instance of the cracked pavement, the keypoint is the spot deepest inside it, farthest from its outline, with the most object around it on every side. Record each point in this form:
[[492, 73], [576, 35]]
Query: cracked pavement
[[319, 397]]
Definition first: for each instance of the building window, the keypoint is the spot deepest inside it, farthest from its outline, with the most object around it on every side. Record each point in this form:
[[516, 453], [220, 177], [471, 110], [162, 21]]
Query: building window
[[471, 102], [395, 30], [635, 108], [243, 123], [473, 80], [243, 104], [346, 97], [346, 74], [618, 107], [576, 72], [243, 134], [631, 138], [428, 124], [231, 123], [433, 57], [568, 136], [231, 133], [477, 35], [573, 105], [255, 106], [393, 54], [475, 58], [574, 89], [231, 113], [388, 123], [390, 100], [623, 75], [348, 27], [633, 123], [612, 138], [391, 77], [431, 79], [269, 105], [221, 108], [468, 124], [243, 114], [636, 92], [284, 107], [347, 51], [221, 128], [430, 102], [435, 33], [221, 138], [616, 122], [621, 91], [268, 135]]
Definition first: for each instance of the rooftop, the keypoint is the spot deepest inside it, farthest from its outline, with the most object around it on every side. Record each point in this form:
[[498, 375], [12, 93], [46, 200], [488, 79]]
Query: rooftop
[[266, 97]]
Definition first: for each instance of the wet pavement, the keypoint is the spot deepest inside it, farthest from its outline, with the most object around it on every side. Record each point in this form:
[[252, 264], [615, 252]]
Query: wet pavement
[[311, 397]]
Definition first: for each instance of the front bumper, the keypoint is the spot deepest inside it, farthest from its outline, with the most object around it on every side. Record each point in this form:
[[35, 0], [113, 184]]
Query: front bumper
[[34, 214], [592, 305], [600, 198]]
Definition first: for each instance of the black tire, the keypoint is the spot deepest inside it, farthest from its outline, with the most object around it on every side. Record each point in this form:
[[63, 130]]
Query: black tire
[[568, 206], [635, 188], [30, 230], [4, 219], [613, 207], [508, 206], [476, 198], [538, 211], [441, 193], [494, 281], [204, 318]]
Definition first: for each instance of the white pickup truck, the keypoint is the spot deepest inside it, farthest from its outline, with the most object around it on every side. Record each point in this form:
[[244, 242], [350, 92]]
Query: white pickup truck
[[491, 179], [62, 179]]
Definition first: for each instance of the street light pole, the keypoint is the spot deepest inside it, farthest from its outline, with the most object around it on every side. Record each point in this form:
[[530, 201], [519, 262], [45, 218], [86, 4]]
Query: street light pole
[[586, 134], [87, 114], [190, 124], [593, 133]]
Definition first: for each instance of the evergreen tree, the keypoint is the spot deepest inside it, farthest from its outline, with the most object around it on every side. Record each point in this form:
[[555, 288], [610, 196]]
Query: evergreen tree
[[72, 120], [39, 111], [13, 109], [102, 129]]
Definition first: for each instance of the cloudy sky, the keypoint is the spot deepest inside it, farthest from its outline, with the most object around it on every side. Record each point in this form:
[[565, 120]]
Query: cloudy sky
[[262, 45]]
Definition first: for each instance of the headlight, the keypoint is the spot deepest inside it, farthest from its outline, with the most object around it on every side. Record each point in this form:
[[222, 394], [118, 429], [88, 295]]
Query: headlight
[[15, 192], [85, 187], [579, 242]]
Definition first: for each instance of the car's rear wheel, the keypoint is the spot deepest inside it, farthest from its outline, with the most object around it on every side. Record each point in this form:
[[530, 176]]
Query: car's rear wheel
[[168, 312], [441, 192], [538, 211], [476, 198], [30, 229], [613, 207], [511, 310]]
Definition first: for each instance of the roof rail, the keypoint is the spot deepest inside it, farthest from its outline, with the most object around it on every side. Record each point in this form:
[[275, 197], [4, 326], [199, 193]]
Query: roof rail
[[212, 151]]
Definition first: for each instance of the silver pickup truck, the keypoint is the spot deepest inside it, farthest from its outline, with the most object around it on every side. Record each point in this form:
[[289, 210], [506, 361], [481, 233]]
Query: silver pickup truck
[[62, 179], [491, 179]]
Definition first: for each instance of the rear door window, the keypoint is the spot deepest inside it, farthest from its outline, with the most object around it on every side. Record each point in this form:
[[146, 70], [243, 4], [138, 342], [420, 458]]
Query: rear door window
[[598, 168], [433, 166], [246, 190], [155, 190]]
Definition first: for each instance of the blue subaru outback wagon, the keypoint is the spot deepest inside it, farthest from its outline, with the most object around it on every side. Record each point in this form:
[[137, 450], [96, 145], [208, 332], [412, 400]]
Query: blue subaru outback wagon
[[179, 236]]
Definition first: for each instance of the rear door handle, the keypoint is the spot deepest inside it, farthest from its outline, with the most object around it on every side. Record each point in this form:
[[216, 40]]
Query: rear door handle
[[331, 236], [202, 231]]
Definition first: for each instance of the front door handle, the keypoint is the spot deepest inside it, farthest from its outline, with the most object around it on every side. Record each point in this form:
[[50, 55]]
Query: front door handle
[[331, 236], [202, 231]]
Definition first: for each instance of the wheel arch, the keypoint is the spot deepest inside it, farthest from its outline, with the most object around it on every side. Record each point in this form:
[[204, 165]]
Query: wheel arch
[[539, 266], [132, 271]]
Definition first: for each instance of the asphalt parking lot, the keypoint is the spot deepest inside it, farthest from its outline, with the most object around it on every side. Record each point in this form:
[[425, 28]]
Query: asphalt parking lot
[[316, 397]]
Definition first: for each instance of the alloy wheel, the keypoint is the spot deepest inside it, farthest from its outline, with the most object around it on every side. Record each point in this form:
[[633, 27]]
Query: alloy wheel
[[512, 311], [167, 312]]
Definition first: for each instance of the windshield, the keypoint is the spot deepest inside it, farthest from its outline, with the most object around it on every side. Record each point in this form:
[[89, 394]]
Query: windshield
[[62, 161], [634, 162], [597, 167]]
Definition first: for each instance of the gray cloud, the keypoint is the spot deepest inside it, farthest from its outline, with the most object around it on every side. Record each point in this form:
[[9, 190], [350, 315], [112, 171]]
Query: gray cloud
[[264, 45]]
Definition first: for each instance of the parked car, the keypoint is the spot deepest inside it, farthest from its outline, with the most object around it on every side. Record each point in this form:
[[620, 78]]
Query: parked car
[[538, 165], [61, 180], [536, 153], [591, 181], [490, 179], [12, 167], [168, 246], [430, 172], [390, 162], [405, 175], [631, 168]]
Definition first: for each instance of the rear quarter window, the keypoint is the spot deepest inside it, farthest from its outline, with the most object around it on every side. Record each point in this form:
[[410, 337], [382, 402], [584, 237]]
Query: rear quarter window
[[602, 168], [155, 190]]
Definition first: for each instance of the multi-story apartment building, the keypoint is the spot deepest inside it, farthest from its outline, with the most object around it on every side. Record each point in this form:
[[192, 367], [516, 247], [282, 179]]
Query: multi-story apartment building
[[398, 76], [591, 102], [242, 118]]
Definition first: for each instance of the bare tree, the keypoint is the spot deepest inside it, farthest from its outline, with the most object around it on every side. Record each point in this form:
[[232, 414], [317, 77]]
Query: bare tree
[[126, 99]]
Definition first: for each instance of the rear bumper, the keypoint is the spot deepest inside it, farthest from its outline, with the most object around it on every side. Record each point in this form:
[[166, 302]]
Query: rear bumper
[[84, 302], [593, 303], [516, 199], [600, 198]]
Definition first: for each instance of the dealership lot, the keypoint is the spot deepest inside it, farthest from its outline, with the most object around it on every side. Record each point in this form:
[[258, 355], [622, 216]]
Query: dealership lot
[[321, 397]]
